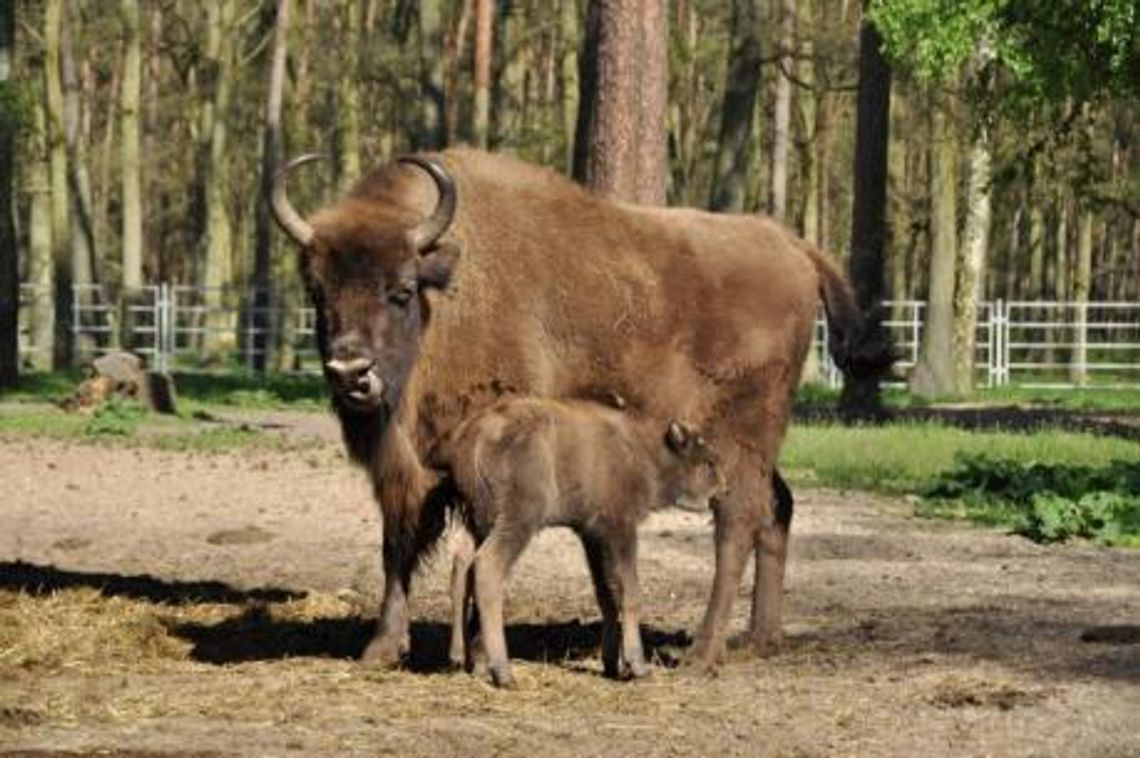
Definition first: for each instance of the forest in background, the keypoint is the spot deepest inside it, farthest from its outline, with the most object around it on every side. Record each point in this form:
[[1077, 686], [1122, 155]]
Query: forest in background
[[139, 128]]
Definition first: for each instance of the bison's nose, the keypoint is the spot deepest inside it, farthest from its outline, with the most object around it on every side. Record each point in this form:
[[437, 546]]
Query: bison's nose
[[352, 374]]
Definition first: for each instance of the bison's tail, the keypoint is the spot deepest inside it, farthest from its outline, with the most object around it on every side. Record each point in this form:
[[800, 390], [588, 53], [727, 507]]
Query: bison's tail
[[857, 348]]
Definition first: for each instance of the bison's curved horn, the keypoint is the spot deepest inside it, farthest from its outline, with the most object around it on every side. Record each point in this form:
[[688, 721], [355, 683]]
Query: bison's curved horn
[[425, 235], [283, 211]]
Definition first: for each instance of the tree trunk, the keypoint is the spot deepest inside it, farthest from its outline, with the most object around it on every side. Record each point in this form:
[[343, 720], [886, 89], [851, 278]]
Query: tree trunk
[[79, 183], [861, 398], [348, 110], [782, 112], [484, 26], [155, 252], [1035, 288], [627, 139], [588, 94], [9, 257], [933, 376], [63, 353], [40, 270], [972, 261], [103, 188], [569, 76], [270, 159], [217, 272], [433, 129], [899, 204], [808, 107], [129, 153], [742, 81], [1082, 280]]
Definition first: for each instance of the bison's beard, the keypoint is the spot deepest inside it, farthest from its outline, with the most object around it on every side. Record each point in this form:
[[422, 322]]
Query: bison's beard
[[362, 429]]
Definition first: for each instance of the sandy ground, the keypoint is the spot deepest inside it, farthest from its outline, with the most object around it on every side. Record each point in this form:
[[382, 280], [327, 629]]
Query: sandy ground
[[258, 570]]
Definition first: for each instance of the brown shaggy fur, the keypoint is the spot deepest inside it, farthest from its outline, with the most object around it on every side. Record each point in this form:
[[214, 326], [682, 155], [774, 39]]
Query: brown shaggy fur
[[525, 464], [550, 291]]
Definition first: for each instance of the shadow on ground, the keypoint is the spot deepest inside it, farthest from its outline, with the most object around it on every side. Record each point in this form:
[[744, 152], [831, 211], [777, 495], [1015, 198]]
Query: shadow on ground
[[33, 579], [256, 636]]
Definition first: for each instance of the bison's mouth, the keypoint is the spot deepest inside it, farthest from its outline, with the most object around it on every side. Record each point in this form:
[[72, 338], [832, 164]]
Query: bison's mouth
[[367, 394], [356, 383]]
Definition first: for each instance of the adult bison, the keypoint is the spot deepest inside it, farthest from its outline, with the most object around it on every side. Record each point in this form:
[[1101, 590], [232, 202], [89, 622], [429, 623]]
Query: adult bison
[[445, 281]]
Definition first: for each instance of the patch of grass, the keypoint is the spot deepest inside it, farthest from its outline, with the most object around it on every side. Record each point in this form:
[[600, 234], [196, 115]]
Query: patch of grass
[[115, 418], [906, 458], [1090, 399], [194, 390], [1046, 502]]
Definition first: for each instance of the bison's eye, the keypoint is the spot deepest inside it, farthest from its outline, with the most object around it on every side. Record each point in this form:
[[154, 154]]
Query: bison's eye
[[402, 295]]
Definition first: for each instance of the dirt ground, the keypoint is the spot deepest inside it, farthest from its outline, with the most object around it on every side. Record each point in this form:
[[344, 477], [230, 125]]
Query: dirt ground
[[158, 603]]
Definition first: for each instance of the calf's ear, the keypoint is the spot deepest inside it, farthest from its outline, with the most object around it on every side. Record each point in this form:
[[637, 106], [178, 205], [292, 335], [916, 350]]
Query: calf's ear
[[435, 267]]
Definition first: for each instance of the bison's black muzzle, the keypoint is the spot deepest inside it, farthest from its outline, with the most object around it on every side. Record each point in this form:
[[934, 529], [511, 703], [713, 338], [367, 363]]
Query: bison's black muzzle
[[356, 381]]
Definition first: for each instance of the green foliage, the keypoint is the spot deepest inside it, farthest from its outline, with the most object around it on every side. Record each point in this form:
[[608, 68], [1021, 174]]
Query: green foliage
[[1047, 51], [906, 458], [1046, 502], [116, 418], [17, 106]]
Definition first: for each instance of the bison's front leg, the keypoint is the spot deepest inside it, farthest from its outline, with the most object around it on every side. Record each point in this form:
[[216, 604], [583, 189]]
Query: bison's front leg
[[392, 639]]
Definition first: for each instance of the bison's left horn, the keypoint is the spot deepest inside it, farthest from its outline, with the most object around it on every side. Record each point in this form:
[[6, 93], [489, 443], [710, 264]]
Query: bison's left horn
[[425, 235], [283, 210]]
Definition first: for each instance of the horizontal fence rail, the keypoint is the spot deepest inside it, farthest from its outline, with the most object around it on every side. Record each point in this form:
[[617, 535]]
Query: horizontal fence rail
[[1018, 343]]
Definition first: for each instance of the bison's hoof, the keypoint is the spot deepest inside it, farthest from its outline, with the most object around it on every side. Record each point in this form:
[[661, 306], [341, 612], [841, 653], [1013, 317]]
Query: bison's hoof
[[383, 652], [636, 670], [502, 676], [766, 646]]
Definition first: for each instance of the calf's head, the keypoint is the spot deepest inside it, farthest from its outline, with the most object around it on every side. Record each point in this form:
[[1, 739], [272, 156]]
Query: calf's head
[[367, 265], [691, 472]]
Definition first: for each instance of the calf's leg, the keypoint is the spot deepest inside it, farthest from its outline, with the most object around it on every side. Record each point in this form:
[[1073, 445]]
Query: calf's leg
[[493, 561], [624, 568], [596, 557], [463, 555]]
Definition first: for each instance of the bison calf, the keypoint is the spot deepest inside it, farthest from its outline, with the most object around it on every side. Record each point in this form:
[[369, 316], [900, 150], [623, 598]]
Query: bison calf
[[525, 464]]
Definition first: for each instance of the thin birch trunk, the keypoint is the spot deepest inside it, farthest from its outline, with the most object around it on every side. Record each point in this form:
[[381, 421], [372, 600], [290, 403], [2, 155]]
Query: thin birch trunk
[[63, 352], [972, 261], [348, 110], [569, 76], [9, 255], [781, 118], [129, 162], [1082, 281], [933, 376], [484, 26]]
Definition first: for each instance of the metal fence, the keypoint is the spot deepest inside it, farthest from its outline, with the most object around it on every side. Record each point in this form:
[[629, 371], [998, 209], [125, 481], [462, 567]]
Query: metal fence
[[1019, 343], [1024, 343]]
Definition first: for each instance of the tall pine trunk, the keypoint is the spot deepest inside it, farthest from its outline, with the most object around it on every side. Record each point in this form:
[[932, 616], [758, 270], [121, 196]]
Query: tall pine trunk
[[270, 159], [569, 76], [627, 136], [484, 30], [861, 398], [433, 121], [734, 147], [9, 258], [348, 110], [79, 182]]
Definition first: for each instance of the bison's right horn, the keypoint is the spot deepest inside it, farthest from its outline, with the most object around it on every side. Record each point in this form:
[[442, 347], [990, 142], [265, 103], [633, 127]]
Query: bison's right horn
[[283, 211], [425, 235]]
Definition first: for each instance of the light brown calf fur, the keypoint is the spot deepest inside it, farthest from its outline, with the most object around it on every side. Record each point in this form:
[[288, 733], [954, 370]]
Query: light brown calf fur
[[445, 284], [525, 464]]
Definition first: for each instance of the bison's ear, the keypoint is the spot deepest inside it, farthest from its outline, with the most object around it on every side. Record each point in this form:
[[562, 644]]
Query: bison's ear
[[434, 268]]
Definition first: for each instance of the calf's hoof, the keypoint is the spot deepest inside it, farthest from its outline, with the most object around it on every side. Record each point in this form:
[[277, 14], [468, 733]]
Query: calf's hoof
[[502, 676], [383, 652]]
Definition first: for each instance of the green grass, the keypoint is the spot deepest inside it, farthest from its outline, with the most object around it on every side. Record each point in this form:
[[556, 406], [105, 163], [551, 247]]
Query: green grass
[[906, 458], [195, 391], [125, 424], [1077, 399]]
